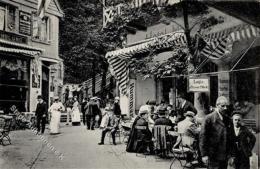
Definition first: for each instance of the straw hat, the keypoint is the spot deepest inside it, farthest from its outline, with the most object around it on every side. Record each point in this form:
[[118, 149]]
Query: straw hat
[[189, 113], [56, 97]]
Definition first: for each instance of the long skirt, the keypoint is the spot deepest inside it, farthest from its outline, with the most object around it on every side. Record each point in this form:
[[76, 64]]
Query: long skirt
[[55, 122], [75, 116]]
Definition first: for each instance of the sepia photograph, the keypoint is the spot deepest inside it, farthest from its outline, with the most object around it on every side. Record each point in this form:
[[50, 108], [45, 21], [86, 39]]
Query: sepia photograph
[[129, 84]]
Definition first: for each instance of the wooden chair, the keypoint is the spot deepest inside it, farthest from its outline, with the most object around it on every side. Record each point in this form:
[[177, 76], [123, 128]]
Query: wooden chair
[[162, 143], [5, 127]]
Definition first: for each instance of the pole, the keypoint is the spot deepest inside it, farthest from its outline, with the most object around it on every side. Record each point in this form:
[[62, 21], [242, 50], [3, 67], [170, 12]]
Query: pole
[[186, 23]]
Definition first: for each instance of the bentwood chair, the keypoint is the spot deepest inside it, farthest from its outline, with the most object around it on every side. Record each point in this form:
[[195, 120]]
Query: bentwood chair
[[183, 152], [5, 127], [162, 140]]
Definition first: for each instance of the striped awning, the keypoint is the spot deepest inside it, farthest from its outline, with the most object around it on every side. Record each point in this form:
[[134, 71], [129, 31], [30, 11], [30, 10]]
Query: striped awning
[[21, 51], [219, 44], [118, 60], [159, 3]]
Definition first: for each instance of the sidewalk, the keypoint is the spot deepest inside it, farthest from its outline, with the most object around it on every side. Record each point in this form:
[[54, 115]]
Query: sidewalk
[[22, 152], [80, 150]]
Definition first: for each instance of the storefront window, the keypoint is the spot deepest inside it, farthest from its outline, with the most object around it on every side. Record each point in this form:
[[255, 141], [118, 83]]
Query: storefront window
[[14, 83]]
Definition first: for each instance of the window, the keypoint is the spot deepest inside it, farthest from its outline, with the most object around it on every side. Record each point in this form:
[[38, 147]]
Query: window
[[41, 28], [7, 17]]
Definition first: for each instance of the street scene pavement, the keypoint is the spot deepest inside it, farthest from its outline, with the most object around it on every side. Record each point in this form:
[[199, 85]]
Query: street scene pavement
[[79, 150]]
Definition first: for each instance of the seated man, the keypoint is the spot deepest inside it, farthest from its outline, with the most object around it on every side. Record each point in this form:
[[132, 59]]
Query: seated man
[[143, 133], [110, 122], [189, 129], [190, 133], [167, 123]]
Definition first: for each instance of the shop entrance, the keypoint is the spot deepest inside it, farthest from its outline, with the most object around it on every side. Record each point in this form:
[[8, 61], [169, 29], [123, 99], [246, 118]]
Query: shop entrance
[[45, 84]]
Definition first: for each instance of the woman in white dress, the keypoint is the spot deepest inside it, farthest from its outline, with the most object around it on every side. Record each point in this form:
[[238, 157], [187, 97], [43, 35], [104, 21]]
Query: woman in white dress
[[55, 112], [75, 117]]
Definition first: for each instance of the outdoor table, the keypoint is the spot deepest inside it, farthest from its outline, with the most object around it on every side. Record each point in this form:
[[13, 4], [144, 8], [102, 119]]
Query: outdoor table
[[6, 117], [173, 133]]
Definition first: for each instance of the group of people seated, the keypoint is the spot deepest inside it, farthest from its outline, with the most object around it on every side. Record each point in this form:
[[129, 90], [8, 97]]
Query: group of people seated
[[160, 130]]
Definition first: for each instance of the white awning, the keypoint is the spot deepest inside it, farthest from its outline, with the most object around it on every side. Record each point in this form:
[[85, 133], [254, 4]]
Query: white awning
[[21, 51], [20, 45], [52, 60]]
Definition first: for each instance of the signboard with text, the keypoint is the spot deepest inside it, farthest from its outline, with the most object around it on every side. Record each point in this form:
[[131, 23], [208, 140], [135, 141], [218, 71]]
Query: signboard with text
[[25, 23], [198, 84]]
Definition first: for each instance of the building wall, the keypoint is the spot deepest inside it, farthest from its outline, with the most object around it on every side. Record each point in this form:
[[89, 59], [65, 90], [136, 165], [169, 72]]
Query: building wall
[[50, 54], [145, 90]]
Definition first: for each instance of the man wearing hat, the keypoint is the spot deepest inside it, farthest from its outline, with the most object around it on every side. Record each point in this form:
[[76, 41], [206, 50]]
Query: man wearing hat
[[110, 123], [69, 105], [160, 125], [116, 107], [41, 114], [91, 111], [242, 143], [162, 120]]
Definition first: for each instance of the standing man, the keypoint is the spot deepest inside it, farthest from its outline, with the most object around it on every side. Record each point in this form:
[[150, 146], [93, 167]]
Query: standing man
[[91, 112], [116, 107], [183, 106], [69, 105], [41, 114], [83, 110], [213, 136], [242, 143]]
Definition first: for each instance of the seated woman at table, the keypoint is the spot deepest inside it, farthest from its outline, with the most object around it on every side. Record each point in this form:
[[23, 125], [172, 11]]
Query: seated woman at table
[[140, 134]]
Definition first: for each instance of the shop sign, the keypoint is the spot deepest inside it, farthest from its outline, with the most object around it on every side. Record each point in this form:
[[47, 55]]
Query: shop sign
[[198, 85], [12, 37], [25, 23], [132, 99]]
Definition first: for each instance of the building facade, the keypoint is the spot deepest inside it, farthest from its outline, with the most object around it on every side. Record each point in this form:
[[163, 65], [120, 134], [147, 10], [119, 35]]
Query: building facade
[[29, 53]]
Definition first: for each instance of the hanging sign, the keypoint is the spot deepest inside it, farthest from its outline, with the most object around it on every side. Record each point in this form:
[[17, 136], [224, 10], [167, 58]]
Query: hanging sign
[[25, 23], [198, 84]]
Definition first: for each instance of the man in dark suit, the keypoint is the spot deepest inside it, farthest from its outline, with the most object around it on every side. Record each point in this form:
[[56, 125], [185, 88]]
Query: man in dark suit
[[242, 143], [91, 111], [162, 120], [41, 114], [183, 106], [213, 136]]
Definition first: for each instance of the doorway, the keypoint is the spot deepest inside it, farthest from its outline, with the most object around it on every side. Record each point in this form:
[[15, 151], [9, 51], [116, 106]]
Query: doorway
[[45, 84]]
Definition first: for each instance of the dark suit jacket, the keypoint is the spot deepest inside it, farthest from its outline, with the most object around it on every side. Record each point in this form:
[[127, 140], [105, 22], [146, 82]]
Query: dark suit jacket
[[246, 141], [163, 121], [143, 133], [41, 109], [188, 106], [213, 138]]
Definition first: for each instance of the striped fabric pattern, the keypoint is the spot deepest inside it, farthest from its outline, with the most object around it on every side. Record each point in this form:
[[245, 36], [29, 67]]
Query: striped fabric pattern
[[119, 59], [220, 43], [139, 3]]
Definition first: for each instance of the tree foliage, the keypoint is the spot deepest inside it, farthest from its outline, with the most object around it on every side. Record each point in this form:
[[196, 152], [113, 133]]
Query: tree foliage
[[84, 43]]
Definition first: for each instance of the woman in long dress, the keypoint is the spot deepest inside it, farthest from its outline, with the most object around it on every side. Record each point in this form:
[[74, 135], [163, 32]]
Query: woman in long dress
[[75, 117], [55, 111]]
